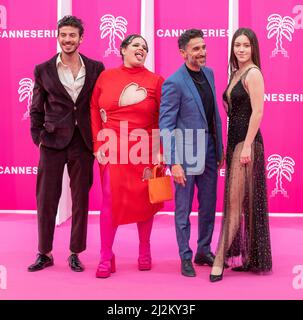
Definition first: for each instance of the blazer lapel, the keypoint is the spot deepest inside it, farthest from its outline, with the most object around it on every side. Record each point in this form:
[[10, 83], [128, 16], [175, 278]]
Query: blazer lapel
[[190, 83], [88, 79]]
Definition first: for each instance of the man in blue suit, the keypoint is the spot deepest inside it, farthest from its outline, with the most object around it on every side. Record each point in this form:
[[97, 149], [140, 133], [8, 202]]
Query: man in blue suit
[[191, 130]]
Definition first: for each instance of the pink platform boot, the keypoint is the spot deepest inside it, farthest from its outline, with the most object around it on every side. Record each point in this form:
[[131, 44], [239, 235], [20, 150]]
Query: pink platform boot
[[105, 268], [144, 231]]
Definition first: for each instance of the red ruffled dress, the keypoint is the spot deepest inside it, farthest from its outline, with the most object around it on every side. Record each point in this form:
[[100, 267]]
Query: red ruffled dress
[[127, 99]]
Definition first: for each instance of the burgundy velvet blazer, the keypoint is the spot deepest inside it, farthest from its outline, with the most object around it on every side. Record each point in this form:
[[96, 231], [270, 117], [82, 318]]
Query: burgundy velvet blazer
[[53, 113]]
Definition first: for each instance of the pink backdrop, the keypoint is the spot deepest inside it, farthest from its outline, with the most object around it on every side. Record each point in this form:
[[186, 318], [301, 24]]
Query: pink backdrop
[[113, 12], [18, 58], [283, 114], [94, 47], [282, 77], [214, 23], [167, 59]]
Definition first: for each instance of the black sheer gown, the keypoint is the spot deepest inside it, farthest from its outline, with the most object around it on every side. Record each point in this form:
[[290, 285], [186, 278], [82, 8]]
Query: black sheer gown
[[244, 239]]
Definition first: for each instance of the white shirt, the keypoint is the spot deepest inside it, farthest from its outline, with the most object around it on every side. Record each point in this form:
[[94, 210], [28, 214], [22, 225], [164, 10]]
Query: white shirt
[[71, 85]]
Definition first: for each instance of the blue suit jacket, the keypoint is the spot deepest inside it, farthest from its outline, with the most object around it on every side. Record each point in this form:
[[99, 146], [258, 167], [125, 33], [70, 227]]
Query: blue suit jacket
[[181, 108]]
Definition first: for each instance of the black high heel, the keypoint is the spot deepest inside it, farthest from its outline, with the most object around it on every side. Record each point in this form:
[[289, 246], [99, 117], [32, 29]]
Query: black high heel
[[241, 269], [216, 277]]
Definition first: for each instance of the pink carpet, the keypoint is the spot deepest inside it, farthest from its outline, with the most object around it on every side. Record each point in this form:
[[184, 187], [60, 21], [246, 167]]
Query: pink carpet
[[18, 248]]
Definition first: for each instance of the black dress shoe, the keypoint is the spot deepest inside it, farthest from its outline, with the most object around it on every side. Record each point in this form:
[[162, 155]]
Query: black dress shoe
[[201, 259], [187, 268], [75, 263], [41, 262], [215, 278]]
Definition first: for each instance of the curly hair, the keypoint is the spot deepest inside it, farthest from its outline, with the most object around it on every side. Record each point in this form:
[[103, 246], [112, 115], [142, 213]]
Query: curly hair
[[71, 21]]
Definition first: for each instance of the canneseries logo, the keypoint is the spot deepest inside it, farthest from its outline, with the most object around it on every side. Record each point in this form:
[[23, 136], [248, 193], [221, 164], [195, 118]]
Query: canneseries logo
[[281, 28], [25, 91], [281, 168], [113, 27], [3, 17], [6, 33], [175, 33]]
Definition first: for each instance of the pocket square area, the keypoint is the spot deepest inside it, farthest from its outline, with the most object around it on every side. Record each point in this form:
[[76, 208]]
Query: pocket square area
[[132, 94]]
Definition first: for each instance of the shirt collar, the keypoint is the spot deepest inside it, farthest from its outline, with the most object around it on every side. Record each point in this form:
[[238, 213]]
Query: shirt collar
[[59, 61]]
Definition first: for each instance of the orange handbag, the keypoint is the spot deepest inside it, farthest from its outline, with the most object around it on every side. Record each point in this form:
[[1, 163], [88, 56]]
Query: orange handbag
[[159, 187]]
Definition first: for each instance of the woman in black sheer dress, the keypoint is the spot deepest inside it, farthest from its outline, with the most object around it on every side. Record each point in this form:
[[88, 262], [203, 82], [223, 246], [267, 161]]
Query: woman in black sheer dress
[[244, 240]]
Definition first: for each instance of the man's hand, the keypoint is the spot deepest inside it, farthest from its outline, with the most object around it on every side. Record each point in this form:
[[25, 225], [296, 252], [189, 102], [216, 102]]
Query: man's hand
[[221, 162], [178, 174]]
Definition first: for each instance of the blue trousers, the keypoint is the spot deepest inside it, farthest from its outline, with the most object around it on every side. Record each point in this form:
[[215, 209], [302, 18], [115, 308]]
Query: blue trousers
[[207, 196]]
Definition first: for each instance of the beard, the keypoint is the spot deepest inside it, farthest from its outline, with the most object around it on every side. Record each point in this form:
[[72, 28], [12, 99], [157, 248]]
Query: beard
[[198, 62]]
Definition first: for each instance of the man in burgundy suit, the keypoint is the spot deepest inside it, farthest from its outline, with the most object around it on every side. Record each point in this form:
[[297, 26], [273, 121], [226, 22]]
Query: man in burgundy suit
[[60, 126]]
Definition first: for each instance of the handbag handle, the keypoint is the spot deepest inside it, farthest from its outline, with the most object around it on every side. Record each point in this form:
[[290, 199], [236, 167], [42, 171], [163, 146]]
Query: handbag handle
[[155, 169]]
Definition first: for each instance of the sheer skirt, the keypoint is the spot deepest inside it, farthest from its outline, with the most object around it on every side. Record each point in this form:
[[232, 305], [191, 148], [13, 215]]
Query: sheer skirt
[[244, 238]]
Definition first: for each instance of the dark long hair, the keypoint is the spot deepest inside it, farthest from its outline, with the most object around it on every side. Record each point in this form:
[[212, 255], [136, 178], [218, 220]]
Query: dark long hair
[[255, 52]]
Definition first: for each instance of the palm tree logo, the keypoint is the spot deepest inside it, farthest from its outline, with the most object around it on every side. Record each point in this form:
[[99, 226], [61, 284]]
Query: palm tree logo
[[280, 167], [3, 17], [280, 27], [112, 27], [26, 86]]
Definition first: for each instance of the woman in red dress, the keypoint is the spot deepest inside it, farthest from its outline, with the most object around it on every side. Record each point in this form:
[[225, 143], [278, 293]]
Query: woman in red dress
[[124, 116]]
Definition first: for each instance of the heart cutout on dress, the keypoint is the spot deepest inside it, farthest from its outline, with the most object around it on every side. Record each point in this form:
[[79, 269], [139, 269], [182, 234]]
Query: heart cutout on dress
[[132, 94]]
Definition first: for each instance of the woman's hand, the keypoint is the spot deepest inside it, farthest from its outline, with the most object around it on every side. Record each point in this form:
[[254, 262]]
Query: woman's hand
[[160, 158], [245, 156], [99, 155]]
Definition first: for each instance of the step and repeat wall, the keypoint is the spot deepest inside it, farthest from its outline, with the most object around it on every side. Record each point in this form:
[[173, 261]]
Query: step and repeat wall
[[103, 43], [28, 37], [279, 27], [212, 18], [106, 25]]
